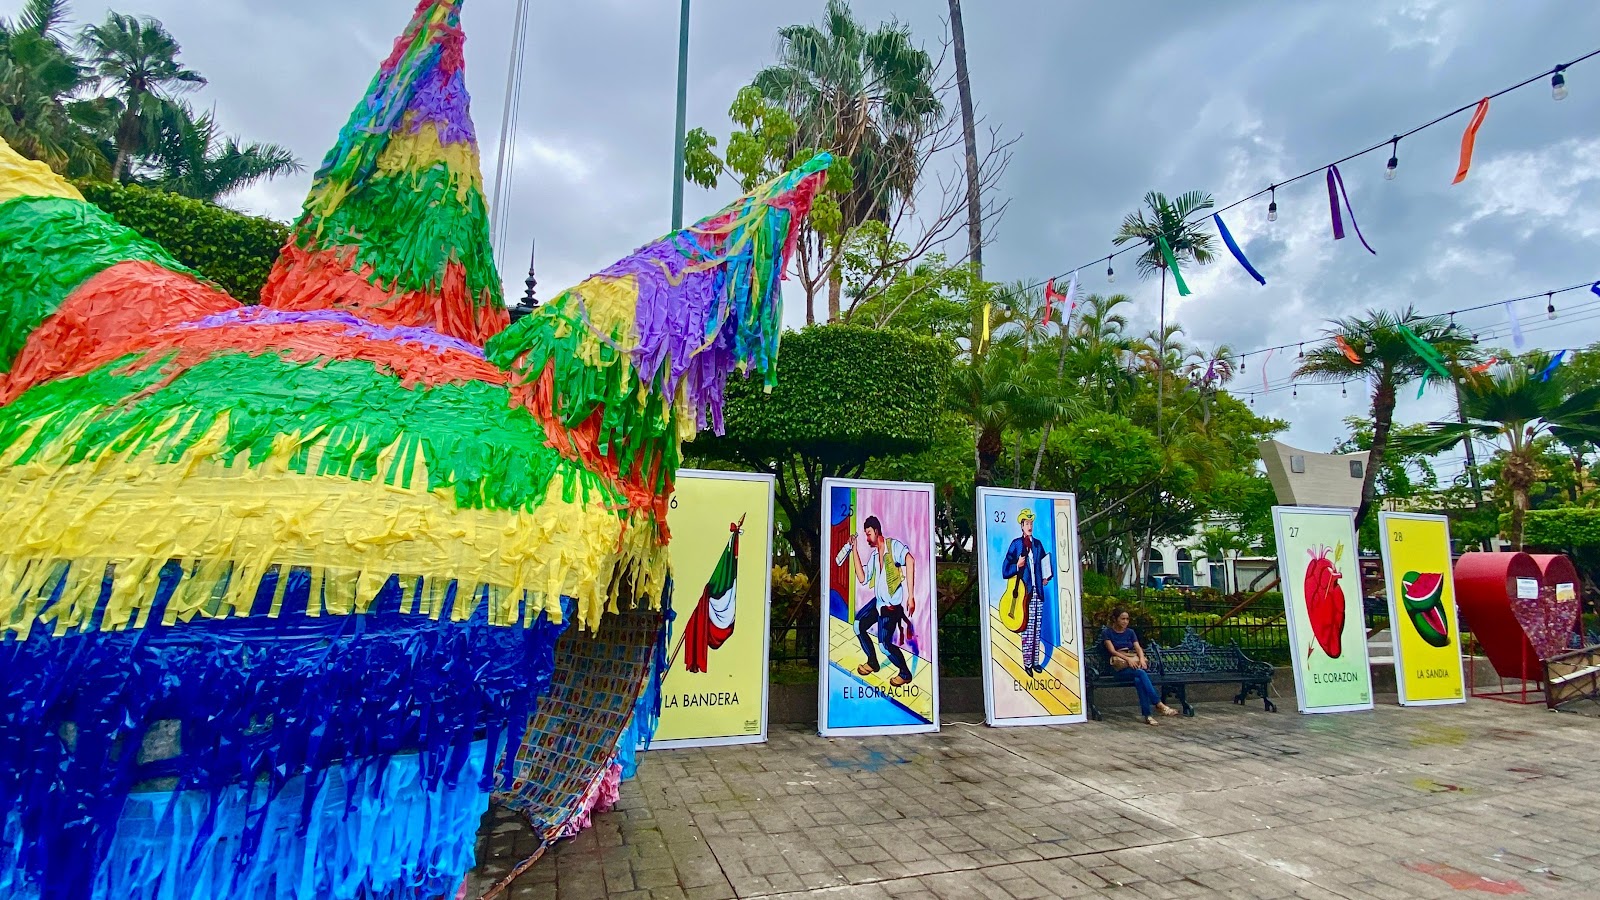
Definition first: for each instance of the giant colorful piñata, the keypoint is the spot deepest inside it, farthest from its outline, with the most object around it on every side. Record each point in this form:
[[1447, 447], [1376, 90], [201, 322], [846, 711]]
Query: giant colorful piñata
[[287, 588]]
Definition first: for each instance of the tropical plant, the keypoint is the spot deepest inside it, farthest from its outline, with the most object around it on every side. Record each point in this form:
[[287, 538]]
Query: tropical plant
[[865, 95], [996, 391], [1169, 221], [1516, 404], [1376, 349], [41, 116], [136, 59], [195, 159]]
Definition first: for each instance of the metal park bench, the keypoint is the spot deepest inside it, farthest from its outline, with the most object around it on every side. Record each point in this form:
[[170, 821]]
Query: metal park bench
[[1192, 661]]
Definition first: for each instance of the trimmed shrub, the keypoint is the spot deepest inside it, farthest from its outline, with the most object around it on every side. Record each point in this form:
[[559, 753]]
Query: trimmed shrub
[[232, 249]]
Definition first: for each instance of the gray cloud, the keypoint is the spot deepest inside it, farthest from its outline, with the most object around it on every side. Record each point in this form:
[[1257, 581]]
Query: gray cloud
[[1113, 100]]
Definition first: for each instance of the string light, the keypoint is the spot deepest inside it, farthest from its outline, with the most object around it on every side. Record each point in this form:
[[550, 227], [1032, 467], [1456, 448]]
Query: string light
[[1558, 89], [1394, 158], [1342, 391], [1549, 306], [1111, 274], [1302, 351]]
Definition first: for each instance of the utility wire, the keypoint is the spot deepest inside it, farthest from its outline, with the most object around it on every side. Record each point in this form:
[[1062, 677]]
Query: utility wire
[[1107, 259]]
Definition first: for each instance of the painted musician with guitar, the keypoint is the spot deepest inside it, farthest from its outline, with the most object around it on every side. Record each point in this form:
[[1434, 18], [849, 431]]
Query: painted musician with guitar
[[1027, 569]]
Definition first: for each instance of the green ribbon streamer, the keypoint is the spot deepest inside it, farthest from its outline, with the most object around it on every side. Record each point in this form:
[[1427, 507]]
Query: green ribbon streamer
[[1172, 265], [1429, 356]]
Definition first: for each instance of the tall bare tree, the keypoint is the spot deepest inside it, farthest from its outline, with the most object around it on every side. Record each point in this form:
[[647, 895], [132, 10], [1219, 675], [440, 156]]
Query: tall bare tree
[[969, 134]]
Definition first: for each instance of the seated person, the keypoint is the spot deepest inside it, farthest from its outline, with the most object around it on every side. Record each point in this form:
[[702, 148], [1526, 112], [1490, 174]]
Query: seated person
[[1122, 643]]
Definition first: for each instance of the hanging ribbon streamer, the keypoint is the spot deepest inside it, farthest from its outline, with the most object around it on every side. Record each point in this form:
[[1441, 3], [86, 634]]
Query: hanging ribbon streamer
[[1550, 369], [1484, 367], [1469, 137], [1211, 372], [1345, 348], [1264, 385], [1517, 340], [1595, 288], [987, 307], [1238, 255], [1172, 264], [1070, 298], [1335, 191], [1430, 357]]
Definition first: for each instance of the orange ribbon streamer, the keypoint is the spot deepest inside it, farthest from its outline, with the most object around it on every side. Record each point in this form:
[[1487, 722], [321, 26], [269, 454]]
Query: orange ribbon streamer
[[1349, 352], [1468, 137]]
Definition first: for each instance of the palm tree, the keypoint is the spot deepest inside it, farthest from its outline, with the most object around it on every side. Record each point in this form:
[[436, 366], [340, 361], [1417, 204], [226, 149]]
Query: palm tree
[[195, 159], [996, 391], [867, 96], [40, 116], [1169, 219], [1388, 361], [1101, 355], [137, 58], [1516, 404]]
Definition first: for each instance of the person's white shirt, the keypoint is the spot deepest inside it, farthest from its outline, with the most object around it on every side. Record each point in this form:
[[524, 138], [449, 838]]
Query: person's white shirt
[[878, 577]]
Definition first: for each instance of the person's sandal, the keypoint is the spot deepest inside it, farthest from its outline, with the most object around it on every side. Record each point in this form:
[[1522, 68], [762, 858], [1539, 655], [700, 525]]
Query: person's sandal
[[1168, 711], [1150, 720]]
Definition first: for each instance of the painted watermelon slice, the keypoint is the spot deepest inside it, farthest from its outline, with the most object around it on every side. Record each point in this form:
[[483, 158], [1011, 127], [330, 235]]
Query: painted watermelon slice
[[1424, 605]]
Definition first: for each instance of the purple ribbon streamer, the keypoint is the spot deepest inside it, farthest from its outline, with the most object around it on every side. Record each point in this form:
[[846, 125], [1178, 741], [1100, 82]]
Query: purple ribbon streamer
[[1334, 193]]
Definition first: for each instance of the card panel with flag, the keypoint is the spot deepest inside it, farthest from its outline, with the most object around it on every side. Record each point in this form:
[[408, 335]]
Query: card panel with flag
[[715, 688]]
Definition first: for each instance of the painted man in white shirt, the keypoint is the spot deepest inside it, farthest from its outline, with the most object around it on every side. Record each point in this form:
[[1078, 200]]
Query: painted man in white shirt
[[890, 569]]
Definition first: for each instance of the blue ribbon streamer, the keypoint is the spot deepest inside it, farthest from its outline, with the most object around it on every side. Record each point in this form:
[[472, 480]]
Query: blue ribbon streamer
[[1595, 288], [1227, 238], [1550, 369]]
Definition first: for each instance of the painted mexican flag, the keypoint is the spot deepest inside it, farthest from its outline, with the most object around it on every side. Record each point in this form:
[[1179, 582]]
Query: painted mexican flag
[[711, 623]]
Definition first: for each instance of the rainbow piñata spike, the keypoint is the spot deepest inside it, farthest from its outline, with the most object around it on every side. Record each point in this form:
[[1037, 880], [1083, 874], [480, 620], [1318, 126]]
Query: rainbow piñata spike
[[395, 226], [297, 578]]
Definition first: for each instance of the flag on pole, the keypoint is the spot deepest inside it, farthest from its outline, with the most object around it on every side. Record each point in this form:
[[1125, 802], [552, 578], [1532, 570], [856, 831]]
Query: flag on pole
[[711, 623]]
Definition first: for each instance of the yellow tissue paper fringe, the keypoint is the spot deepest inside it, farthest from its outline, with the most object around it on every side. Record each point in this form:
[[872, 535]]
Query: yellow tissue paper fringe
[[22, 177], [235, 522]]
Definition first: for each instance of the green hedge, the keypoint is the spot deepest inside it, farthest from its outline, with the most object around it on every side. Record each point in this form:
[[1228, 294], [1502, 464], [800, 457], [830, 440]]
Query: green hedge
[[844, 393], [1558, 529], [232, 249]]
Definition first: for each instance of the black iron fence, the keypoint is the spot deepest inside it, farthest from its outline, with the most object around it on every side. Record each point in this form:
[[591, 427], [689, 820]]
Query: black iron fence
[[1259, 630]]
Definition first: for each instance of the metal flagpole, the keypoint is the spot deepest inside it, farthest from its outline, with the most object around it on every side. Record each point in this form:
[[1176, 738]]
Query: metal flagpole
[[683, 95]]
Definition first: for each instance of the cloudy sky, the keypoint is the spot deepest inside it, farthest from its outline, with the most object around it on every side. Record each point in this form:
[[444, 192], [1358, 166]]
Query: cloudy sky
[[1111, 100]]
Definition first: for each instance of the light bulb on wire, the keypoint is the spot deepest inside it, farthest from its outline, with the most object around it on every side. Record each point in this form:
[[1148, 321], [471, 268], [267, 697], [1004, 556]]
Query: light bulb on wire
[[1111, 274], [1394, 159], [1272, 205], [1549, 306], [1558, 84]]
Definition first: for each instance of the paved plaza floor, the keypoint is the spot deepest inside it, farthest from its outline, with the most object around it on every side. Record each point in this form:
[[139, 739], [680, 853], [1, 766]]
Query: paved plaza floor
[[1459, 801]]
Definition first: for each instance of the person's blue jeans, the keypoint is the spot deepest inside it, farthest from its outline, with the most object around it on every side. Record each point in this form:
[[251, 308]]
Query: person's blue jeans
[[1148, 695]]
